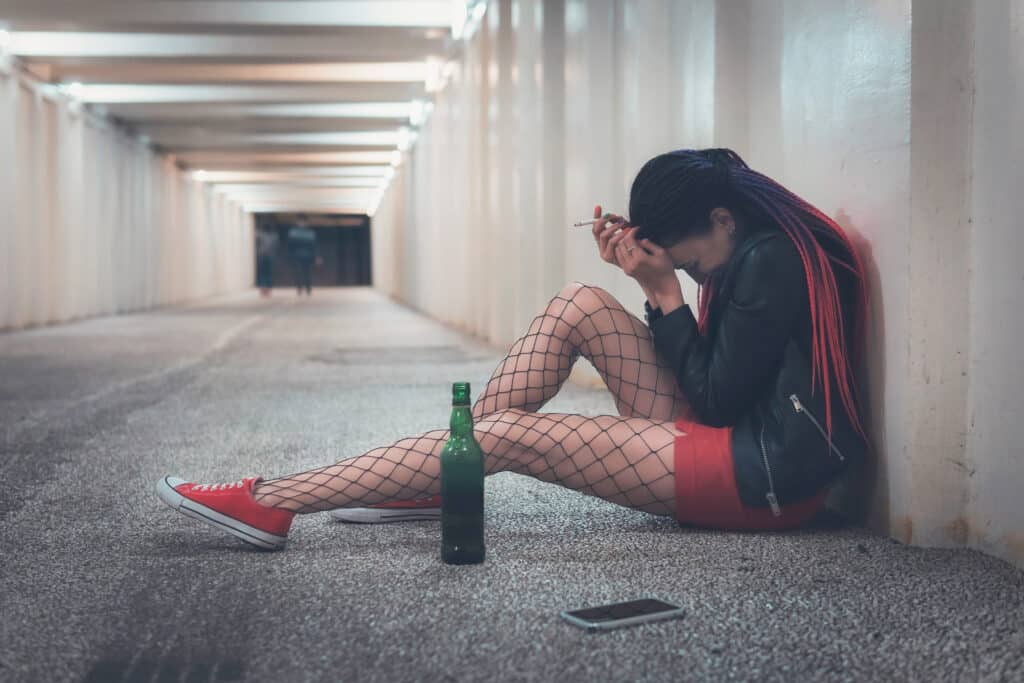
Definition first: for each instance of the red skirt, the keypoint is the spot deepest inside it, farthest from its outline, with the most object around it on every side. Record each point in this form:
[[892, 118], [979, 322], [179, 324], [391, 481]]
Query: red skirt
[[706, 494]]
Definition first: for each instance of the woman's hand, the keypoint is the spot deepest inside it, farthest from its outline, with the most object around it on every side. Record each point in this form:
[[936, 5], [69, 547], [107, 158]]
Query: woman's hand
[[643, 260], [607, 234], [651, 267], [647, 263]]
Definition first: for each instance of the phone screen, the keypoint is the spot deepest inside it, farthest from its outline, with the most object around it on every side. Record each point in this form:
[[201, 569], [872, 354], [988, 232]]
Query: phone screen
[[622, 610]]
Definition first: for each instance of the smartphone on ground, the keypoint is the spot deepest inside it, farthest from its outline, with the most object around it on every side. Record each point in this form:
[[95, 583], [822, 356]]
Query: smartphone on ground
[[619, 614]]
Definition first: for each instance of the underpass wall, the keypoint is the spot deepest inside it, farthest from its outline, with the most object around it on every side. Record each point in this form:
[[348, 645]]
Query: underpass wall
[[898, 119], [94, 222]]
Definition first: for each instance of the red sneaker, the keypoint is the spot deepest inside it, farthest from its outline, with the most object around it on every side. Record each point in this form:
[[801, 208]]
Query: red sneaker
[[230, 508], [399, 511]]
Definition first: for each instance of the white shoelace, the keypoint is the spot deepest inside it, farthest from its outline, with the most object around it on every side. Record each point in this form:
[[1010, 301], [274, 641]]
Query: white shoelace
[[219, 487]]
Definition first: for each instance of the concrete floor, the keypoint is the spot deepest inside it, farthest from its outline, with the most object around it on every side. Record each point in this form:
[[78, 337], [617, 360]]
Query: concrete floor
[[99, 581]]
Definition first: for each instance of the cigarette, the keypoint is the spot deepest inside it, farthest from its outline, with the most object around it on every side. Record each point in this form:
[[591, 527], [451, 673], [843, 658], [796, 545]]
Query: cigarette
[[580, 224]]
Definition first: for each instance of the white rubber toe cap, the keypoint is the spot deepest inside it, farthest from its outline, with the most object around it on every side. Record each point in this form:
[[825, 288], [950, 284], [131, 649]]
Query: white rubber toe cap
[[165, 489]]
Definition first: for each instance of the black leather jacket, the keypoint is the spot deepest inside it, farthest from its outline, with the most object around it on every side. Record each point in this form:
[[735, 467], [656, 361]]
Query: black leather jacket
[[752, 372]]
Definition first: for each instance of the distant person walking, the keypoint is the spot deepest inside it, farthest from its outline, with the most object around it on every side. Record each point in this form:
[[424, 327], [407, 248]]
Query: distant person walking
[[266, 249], [302, 245]]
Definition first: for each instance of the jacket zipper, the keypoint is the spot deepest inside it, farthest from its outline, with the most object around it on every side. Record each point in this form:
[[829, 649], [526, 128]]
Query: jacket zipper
[[773, 501], [801, 409]]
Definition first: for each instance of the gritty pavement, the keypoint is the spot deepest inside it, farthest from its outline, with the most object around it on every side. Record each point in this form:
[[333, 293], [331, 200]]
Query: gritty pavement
[[99, 581]]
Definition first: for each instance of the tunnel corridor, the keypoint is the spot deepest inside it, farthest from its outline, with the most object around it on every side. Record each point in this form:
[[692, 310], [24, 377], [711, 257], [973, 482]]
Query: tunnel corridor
[[100, 581], [173, 169]]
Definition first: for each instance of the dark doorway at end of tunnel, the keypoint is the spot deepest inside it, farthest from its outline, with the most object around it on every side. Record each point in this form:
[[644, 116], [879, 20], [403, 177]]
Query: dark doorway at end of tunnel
[[339, 245]]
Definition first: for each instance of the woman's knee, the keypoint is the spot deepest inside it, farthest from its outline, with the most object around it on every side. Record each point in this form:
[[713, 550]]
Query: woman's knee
[[575, 288], [588, 298], [511, 427], [499, 422]]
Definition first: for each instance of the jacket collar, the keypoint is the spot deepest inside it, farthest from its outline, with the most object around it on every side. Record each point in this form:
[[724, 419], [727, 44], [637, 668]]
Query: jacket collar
[[745, 246]]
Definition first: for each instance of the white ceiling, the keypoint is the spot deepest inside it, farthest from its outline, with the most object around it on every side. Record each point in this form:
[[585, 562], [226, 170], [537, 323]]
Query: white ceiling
[[285, 105]]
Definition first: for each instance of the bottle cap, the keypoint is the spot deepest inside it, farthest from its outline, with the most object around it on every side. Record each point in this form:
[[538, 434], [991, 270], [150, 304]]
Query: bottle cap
[[460, 393]]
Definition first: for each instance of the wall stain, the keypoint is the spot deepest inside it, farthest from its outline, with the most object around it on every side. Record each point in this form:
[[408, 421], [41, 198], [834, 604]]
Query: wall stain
[[957, 531], [903, 529], [1014, 544]]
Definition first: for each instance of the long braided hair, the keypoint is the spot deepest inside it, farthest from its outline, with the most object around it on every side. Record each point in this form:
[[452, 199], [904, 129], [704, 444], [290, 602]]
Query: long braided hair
[[672, 198]]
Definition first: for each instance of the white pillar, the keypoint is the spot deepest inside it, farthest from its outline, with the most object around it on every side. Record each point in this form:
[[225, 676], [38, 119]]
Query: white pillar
[[994, 466]]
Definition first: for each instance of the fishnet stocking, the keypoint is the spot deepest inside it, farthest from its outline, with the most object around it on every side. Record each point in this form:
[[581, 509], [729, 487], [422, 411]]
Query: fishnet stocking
[[626, 459], [587, 321]]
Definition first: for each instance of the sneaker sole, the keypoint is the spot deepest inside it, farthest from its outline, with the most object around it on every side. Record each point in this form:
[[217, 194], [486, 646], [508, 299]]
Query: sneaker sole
[[375, 516], [249, 534]]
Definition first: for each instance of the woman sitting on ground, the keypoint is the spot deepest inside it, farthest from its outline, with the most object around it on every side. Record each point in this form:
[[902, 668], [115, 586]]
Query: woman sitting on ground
[[738, 417]]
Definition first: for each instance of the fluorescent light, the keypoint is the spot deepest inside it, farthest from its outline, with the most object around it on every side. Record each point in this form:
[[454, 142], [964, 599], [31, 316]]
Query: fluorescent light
[[299, 183], [274, 15], [199, 175], [404, 140], [234, 158], [438, 73], [75, 90], [302, 109], [380, 138], [298, 174], [285, 193], [434, 81], [234, 93], [417, 113], [362, 110], [304, 205], [278, 46], [5, 40]]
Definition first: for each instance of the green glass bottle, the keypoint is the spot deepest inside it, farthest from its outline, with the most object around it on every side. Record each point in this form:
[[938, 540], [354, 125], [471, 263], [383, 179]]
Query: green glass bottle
[[462, 486]]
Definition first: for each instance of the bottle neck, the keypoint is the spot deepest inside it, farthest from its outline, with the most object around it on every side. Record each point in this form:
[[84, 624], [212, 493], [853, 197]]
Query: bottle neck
[[462, 420]]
